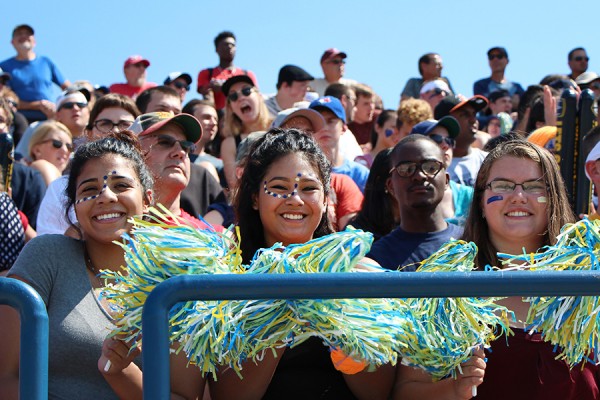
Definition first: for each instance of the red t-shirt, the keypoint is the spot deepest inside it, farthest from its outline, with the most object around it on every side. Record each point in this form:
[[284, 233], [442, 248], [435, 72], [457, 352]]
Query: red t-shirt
[[221, 74], [128, 90], [344, 198], [198, 224]]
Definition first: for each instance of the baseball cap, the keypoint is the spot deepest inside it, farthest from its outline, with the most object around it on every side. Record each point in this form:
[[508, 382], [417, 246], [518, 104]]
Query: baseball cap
[[453, 103], [500, 50], [175, 75], [23, 26], [448, 122], [586, 77], [4, 75], [75, 94], [435, 84], [330, 103], [148, 123], [136, 59], [316, 119], [498, 94], [233, 80], [290, 73], [331, 53]]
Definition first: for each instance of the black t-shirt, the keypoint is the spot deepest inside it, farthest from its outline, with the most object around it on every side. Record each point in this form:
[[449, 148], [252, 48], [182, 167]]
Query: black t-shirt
[[202, 190]]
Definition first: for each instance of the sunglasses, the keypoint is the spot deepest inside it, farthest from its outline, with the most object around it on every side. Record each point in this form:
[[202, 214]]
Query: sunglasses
[[439, 139], [69, 105], [180, 85], [408, 168], [595, 85], [337, 61], [581, 58], [168, 142], [57, 144], [107, 126], [498, 56], [247, 91]]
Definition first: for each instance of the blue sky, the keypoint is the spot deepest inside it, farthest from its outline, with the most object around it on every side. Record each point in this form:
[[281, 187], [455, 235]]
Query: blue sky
[[383, 39]]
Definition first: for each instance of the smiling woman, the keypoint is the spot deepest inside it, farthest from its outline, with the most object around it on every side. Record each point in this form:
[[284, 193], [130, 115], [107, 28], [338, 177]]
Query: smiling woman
[[50, 147], [109, 183], [282, 198]]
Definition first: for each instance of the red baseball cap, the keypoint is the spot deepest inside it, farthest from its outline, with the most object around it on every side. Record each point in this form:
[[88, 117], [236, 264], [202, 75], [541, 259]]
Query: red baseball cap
[[331, 53], [136, 59]]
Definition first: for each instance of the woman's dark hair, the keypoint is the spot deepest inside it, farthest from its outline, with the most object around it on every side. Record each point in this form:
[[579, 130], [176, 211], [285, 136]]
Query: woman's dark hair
[[124, 144], [112, 100], [558, 210], [272, 146], [377, 212]]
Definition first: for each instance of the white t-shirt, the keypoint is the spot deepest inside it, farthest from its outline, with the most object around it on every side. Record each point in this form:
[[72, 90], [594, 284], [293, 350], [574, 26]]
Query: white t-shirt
[[464, 170], [51, 215]]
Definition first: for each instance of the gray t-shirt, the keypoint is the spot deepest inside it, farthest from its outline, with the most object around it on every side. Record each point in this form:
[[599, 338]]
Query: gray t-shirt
[[54, 266]]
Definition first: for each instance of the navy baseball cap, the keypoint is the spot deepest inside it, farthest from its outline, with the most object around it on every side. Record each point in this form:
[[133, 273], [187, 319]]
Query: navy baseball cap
[[329, 103], [448, 122]]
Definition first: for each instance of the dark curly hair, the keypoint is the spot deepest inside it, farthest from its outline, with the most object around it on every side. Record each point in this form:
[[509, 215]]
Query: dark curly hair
[[124, 144], [275, 144]]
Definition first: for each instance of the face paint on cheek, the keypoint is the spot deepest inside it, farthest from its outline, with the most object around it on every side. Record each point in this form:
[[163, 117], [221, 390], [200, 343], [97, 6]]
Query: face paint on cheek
[[283, 196], [105, 183], [542, 199], [389, 132], [494, 198]]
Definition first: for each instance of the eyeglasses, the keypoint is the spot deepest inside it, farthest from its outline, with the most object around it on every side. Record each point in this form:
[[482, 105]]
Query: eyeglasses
[[498, 56], [107, 126], [408, 168], [167, 142], [439, 139], [337, 61], [69, 105], [581, 58], [247, 91], [180, 85], [504, 186], [57, 144]]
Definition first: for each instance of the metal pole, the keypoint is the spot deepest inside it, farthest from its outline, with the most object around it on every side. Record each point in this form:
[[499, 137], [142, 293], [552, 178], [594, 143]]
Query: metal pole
[[33, 364], [335, 285]]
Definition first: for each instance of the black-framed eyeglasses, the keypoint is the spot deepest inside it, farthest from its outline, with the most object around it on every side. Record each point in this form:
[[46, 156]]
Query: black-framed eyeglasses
[[57, 144], [181, 85], [498, 56], [407, 169], [439, 139], [505, 186], [167, 142], [581, 58], [70, 104], [107, 126], [247, 91]]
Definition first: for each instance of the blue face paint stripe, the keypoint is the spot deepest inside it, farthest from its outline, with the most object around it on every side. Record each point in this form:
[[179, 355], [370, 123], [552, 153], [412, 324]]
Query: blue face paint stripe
[[283, 196], [494, 198], [105, 184]]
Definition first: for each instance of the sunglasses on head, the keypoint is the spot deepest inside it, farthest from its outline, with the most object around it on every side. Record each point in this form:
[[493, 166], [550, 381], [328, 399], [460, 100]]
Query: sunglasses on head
[[247, 91], [168, 142], [57, 144], [581, 58], [498, 56], [181, 85], [439, 139], [70, 104]]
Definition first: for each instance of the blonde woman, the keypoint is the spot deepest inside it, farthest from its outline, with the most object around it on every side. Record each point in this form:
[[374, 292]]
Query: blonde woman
[[245, 112], [50, 148]]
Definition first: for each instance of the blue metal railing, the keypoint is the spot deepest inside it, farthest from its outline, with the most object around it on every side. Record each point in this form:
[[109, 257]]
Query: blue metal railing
[[33, 365], [329, 286]]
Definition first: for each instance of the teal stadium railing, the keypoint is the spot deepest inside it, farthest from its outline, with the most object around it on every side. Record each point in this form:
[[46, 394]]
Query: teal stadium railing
[[34, 328]]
